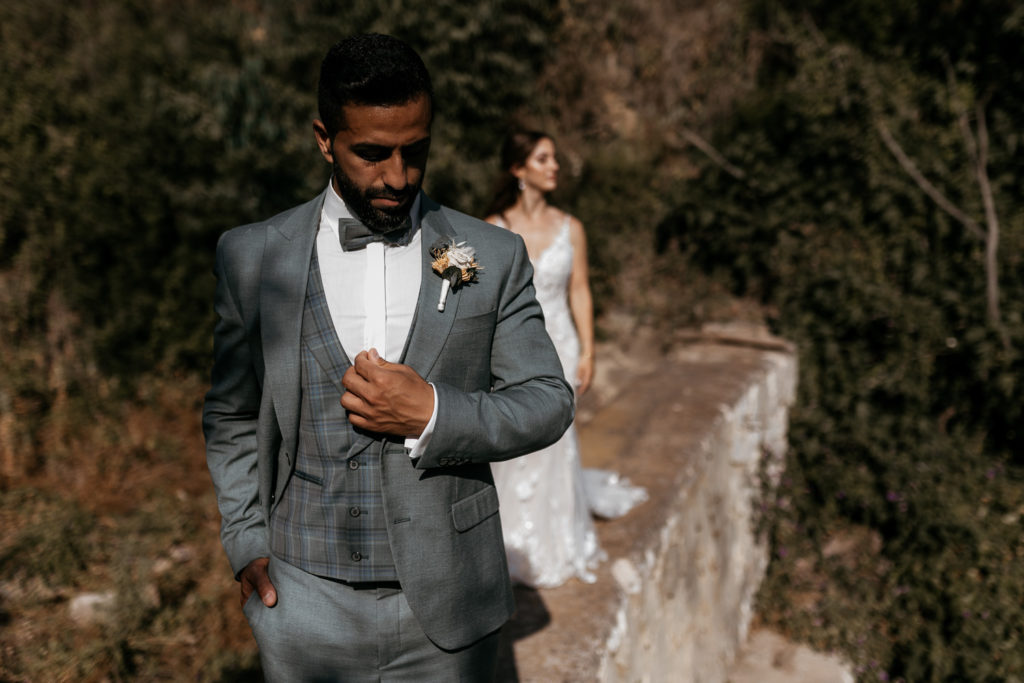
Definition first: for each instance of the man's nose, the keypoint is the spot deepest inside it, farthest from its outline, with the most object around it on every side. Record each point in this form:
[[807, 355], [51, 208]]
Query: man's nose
[[396, 172]]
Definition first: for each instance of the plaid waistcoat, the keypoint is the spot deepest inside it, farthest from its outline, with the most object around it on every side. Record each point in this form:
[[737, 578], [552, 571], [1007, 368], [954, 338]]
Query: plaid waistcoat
[[331, 519]]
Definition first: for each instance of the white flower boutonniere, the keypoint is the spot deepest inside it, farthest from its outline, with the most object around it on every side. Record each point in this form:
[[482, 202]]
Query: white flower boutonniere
[[456, 264]]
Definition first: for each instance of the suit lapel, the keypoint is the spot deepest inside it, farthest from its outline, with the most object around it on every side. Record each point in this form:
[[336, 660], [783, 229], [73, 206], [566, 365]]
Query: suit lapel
[[282, 297], [430, 327]]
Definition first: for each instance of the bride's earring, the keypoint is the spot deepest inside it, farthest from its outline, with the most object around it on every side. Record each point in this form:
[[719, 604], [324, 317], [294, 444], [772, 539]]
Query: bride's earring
[[522, 185]]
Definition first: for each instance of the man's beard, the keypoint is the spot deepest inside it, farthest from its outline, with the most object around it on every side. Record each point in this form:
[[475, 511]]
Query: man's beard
[[359, 202]]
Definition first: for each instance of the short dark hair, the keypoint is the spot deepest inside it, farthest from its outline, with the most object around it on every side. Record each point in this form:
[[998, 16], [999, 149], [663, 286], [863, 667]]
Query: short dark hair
[[369, 69]]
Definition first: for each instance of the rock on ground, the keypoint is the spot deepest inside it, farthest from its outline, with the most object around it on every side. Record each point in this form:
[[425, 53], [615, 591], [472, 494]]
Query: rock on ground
[[769, 657]]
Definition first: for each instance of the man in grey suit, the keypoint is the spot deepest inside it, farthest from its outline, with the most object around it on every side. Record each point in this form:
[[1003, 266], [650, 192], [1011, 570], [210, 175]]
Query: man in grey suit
[[351, 421]]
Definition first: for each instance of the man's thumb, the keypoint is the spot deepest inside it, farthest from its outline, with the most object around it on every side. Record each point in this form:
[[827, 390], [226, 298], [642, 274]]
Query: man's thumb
[[376, 357]]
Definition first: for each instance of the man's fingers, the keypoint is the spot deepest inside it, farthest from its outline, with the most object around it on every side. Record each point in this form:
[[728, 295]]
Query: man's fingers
[[255, 577], [268, 594], [367, 362], [384, 397], [359, 380], [354, 403], [355, 382], [246, 592]]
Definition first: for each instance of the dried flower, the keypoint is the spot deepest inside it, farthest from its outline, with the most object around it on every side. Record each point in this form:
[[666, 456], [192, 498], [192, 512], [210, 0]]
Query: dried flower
[[456, 264]]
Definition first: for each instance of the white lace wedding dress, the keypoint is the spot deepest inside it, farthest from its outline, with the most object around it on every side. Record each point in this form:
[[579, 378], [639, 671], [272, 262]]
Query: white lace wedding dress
[[546, 498]]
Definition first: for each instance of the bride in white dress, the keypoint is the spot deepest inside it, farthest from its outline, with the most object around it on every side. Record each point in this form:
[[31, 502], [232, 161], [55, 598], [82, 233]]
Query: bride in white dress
[[546, 499]]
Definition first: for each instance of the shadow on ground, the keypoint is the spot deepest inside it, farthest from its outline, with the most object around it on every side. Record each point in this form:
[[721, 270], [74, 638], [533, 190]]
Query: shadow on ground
[[531, 616]]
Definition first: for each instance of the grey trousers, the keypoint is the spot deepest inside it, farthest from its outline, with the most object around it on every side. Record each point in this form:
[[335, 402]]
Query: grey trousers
[[322, 630]]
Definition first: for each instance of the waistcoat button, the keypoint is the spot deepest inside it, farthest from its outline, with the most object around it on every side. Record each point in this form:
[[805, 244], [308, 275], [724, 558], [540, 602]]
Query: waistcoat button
[[353, 511], [356, 556], [353, 464]]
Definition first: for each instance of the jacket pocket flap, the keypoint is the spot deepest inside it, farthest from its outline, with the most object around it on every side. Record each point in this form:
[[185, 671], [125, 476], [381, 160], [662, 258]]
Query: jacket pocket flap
[[470, 511], [475, 323]]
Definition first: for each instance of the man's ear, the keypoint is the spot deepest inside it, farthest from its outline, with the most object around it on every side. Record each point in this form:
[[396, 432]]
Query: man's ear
[[323, 140]]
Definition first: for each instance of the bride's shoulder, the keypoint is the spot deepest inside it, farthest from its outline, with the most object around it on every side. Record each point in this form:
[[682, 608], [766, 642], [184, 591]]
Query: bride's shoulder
[[554, 219], [566, 221], [495, 219]]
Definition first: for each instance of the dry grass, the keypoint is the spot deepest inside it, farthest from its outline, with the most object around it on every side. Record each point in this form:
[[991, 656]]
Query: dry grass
[[124, 506]]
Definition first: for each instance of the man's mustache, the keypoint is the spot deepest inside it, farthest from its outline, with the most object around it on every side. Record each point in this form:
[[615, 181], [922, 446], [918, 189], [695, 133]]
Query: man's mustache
[[390, 194]]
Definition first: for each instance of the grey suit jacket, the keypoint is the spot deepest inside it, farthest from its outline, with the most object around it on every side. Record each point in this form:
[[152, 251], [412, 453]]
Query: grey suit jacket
[[500, 393]]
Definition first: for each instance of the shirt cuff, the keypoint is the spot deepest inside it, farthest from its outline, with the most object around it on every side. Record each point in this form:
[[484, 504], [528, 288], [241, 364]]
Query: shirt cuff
[[418, 444]]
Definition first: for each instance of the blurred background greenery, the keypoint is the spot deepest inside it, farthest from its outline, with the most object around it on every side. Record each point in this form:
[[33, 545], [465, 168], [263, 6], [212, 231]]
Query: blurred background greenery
[[847, 173]]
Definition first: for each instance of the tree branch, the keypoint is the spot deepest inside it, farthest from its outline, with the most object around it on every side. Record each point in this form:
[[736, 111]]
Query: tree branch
[[910, 167], [713, 154], [961, 113], [976, 144], [991, 219]]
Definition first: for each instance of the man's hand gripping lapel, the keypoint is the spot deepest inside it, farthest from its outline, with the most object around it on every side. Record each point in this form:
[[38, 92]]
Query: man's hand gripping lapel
[[388, 398]]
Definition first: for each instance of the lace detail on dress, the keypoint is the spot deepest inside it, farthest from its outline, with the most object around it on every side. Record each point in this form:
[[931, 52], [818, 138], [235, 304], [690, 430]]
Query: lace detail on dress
[[546, 500]]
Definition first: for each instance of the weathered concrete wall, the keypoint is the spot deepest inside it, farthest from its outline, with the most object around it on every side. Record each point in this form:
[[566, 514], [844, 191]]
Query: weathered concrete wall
[[700, 428], [686, 613]]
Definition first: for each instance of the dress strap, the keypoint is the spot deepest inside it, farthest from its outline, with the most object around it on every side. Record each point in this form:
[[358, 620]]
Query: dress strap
[[564, 232]]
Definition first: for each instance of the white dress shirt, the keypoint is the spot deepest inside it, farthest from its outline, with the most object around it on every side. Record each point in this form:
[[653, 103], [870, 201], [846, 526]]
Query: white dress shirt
[[371, 293]]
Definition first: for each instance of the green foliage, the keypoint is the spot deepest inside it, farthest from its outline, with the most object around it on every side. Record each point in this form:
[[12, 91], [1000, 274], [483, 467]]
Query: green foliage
[[139, 131], [138, 141], [908, 418]]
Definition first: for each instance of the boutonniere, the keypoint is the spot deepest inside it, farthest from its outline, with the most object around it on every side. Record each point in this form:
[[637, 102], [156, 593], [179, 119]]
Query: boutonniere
[[456, 264]]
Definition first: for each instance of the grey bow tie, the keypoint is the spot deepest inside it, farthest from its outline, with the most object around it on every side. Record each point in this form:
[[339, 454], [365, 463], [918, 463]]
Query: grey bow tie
[[355, 236]]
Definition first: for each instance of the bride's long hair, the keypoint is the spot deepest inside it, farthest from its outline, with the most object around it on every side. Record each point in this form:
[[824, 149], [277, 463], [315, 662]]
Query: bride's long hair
[[518, 146]]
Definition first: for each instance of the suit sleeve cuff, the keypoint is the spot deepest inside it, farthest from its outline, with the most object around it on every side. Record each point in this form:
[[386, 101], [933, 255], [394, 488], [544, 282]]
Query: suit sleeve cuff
[[418, 444]]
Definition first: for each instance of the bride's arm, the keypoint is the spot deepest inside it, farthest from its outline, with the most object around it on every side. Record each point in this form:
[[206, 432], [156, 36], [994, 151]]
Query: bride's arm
[[581, 304]]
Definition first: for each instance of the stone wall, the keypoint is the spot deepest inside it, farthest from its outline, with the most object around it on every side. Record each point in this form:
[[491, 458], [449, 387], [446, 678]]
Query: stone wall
[[701, 428]]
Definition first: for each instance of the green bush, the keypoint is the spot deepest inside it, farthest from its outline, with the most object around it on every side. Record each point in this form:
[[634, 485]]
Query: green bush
[[910, 400]]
